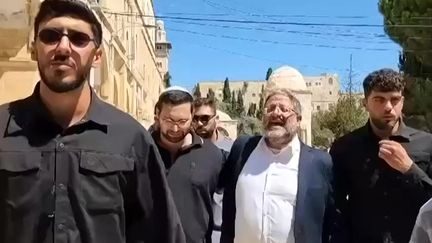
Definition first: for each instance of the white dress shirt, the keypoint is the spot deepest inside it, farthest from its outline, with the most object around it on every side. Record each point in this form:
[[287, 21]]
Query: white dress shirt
[[266, 195]]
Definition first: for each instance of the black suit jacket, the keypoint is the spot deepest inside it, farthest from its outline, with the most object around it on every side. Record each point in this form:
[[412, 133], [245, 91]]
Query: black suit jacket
[[314, 207]]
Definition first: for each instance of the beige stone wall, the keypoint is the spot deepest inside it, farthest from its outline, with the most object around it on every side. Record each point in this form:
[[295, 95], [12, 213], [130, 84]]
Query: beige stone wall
[[324, 93]]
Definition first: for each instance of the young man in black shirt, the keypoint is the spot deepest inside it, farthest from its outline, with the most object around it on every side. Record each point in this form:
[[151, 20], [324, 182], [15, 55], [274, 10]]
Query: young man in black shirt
[[193, 164], [73, 168], [382, 171]]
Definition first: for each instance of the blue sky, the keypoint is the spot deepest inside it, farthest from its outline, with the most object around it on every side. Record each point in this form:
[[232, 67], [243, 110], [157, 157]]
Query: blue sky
[[204, 50]]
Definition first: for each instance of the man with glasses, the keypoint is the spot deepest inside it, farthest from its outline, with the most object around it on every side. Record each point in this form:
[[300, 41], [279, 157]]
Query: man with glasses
[[277, 188], [73, 168], [382, 170], [205, 123], [193, 164]]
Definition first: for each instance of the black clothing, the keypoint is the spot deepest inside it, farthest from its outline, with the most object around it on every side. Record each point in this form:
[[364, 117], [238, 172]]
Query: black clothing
[[378, 203], [100, 180], [193, 177]]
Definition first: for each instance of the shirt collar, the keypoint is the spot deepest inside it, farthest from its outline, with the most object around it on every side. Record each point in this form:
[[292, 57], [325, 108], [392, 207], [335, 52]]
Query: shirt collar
[[96, 111], [403, 134]]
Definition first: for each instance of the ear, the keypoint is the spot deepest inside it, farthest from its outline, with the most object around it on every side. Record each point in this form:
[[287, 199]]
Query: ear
[[97, 59], [364, 103], [33, 51]]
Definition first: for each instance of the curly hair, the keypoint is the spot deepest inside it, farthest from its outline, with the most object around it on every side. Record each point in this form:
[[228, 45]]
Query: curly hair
[[383, 80]]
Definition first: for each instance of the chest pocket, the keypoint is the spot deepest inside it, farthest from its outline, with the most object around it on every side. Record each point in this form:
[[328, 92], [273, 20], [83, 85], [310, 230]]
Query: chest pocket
[[20, 179], [101, 179]]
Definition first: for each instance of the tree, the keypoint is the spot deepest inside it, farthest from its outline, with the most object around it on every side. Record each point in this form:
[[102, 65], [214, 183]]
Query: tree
[[240, 110], [197, 91], [408, 24], [252, 110], [226, 91], [211, 94], [344, 117], [167, 80], [260, 109], [269, 72]]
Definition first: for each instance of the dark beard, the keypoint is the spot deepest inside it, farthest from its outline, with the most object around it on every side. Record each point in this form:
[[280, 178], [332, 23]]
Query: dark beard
[[382, 125], [62, 87], [174, 139], [204, 134]]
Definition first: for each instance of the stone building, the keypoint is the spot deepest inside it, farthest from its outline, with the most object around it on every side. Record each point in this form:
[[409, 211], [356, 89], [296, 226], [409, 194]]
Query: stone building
[[130, 76], [324, 89]]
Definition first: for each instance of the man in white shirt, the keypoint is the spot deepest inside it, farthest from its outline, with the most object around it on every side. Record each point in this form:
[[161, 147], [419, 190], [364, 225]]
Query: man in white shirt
[[422, 232], [277, 189]]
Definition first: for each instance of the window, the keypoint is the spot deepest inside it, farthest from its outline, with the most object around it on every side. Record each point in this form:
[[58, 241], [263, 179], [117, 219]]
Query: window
[[318, 107], [330, 93], [330, 81], [253, 94]]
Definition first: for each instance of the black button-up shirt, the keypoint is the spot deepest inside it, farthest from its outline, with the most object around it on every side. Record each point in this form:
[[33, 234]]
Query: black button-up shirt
[[193, 177], [99, 181], [378, 203]]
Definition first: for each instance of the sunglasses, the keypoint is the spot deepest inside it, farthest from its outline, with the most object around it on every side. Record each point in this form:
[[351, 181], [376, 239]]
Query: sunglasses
[[204, 119], [51, 36]]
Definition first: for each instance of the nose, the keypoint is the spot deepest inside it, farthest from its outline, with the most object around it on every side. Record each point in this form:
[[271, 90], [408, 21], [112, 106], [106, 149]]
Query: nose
[[64, 46], [388, 106], [175, 128]]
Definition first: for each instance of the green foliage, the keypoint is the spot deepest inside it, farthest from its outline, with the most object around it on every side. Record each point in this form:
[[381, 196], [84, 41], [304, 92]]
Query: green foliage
[[197, 91], [226, 91], [249, 126], [252, 110], [211, 94], [346, 116], [269, 72], [408, 23], [240, 109], [167, 80]]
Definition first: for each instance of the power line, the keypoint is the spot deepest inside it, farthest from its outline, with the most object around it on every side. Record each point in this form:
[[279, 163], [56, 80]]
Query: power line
[[365, 39], [277, 42], [268, 22], [273, 15]]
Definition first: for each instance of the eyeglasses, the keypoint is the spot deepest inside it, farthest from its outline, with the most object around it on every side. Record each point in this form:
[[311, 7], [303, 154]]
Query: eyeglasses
[[282, 109], [204, 119], [179, 123], [51, 36]]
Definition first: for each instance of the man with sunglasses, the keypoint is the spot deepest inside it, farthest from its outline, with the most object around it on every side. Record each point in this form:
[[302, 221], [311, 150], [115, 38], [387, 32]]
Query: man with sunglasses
[[205, 124], [193, 164], [73, 168], [277, 188]]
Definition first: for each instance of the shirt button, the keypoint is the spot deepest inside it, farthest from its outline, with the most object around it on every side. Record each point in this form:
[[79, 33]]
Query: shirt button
[[61, 227], [60, 146], [385, 194], [62, 187], [386, 217]]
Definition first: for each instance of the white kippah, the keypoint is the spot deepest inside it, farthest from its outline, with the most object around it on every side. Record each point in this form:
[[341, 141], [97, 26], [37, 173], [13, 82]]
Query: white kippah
[[172, 88]]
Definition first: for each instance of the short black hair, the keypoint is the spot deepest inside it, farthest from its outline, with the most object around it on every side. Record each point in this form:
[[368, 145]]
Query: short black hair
[[71, 8], [173, 97], [383, 80], [198, 102]]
